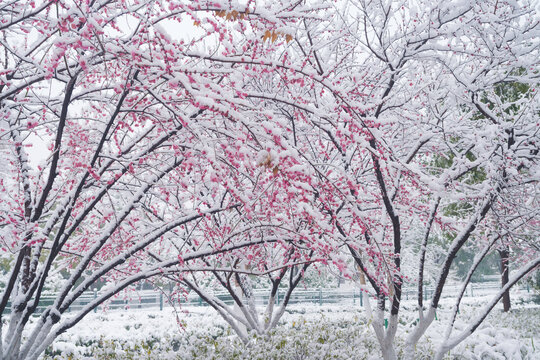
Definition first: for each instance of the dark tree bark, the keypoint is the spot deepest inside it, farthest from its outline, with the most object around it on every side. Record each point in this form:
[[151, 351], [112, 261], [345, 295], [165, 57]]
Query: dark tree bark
[[504, 254]]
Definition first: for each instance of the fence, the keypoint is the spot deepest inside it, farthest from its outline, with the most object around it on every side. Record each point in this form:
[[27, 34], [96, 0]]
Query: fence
[[153, 299]]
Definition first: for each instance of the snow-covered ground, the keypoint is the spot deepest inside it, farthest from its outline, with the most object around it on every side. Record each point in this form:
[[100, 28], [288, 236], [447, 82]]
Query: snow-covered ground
[[307, 331]]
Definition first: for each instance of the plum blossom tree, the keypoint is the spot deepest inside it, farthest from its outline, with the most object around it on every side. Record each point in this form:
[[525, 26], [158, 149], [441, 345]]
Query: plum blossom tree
[[146, 137], [411, 86], [389, 88]]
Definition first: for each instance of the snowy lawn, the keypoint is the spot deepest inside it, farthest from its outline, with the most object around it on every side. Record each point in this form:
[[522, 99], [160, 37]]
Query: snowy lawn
[[305, 332]]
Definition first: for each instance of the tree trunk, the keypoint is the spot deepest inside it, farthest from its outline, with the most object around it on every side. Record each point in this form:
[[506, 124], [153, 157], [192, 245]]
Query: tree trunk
[[388, 351], [504, 255]]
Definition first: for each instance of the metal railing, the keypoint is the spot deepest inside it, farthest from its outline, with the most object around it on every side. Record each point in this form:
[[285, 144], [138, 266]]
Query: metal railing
[[154, 299]]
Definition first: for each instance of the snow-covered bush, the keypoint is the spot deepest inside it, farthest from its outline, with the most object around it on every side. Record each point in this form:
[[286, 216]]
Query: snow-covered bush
[[307, 332]]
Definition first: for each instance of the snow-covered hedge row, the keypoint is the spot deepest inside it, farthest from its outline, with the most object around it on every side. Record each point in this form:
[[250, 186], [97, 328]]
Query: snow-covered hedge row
[[307, 332]]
